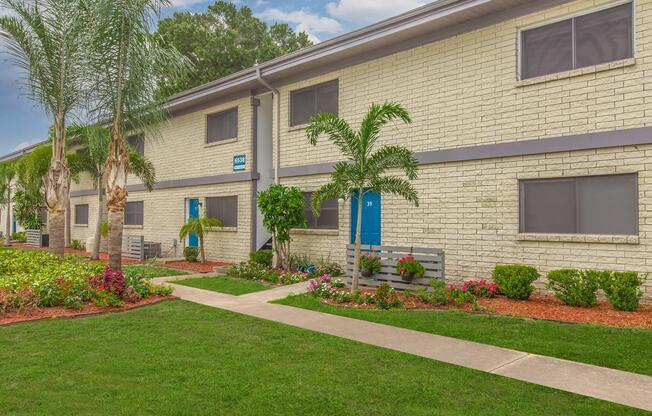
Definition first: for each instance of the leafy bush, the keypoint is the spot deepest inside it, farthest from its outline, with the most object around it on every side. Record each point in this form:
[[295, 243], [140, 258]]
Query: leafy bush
[[263, 257], [321, 287], [386, 297], [480, 288], [325, 266], [77, 245], [247, 270], [19, 237], [160, 290], [408, 266], [438, 295], [622, 289], [460, 297], [515, 280], [191, 254], [342, 296], [370, 263], [575, 287]]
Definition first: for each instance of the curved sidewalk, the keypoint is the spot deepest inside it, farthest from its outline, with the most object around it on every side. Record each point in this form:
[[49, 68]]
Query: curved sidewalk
[[616, 386]]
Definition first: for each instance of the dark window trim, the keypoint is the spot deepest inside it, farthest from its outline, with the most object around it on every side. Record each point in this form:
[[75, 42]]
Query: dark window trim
[[573, 16], [206, 116], [521, 200], [310, 87], [87, 213], [143, 213]]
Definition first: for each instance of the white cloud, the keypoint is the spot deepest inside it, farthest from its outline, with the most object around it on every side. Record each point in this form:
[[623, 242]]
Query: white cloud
[[304, 21], [184, 3], [369, 11], [25, 144]]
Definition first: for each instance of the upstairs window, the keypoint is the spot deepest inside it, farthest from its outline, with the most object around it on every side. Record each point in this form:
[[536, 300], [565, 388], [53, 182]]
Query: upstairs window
[[307, 102], [137, 143], [222, 126], [328, 215], [589, 39], [582, 205]]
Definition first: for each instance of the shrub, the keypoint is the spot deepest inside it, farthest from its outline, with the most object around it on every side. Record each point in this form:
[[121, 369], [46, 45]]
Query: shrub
[[342, 296], [622, 289], [272, 276], [160, 290], [460, 297], [111, 281], [328, 267], [191, 254], [247, 270], [19, 237], [575, 287], [77, 245], [290, 278], [321, 287], [386, 297], [263, 257], [438, 295], [480, 288], [515, 280]]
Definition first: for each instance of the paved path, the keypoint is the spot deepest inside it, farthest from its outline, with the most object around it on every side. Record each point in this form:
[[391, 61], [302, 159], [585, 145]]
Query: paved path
[[603, 383]]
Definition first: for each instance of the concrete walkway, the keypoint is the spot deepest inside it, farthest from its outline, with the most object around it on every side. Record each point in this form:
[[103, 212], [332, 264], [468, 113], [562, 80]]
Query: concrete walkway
[[602, 383]]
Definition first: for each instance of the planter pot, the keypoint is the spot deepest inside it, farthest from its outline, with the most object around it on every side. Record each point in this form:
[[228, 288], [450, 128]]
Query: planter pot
[[408, 277], [366, 273]]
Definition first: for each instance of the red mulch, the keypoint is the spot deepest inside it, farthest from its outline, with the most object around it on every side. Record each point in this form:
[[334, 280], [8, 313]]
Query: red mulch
[[541, 307], [196, 267], [33, 314], [104, 256]]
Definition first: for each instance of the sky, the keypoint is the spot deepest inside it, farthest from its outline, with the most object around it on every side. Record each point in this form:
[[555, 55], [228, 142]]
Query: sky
[[23, 122]]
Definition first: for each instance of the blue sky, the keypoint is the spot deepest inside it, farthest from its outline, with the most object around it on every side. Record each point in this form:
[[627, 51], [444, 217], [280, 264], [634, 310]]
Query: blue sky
[[22, 122]]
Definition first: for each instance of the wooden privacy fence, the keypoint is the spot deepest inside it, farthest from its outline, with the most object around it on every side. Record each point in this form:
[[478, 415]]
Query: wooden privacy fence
[[432, 260]]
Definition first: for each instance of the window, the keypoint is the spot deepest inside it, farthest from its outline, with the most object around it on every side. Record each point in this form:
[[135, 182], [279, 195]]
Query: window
[[328, 216], [134, 213], [224, 208], [81, 214], [43, 215], [137, 143], [316, 99], [222, 126], [582, 205], [589, 39]]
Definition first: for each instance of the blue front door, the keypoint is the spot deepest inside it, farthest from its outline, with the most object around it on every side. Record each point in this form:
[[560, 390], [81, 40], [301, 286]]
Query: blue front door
[[193, 212], [13, 223], [370, 231]]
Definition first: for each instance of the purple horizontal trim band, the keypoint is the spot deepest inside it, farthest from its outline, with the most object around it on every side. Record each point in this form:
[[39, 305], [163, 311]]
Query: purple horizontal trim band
[[600, 140], [182, 183]]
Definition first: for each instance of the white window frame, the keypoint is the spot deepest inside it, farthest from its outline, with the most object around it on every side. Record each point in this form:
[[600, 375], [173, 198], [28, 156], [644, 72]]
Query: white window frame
[[584, 12]]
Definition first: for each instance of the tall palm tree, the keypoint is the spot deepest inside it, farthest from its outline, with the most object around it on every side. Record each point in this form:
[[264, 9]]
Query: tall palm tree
[[199, 226], [127, 61], [94, 140], [7, 175], [364, 170], [46, 40]]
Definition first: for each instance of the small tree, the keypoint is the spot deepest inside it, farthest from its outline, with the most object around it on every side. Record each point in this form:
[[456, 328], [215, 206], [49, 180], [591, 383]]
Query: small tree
[[7, 174], [282, 208], [199, 226], [364, 170]]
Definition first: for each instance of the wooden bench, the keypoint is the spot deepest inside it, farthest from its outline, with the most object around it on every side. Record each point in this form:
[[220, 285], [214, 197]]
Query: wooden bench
[[432, 260]]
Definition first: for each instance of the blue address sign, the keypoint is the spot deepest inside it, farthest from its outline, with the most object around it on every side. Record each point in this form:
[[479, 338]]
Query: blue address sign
[[239, 162]]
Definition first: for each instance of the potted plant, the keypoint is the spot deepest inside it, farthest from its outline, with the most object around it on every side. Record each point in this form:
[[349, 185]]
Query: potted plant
[[369, 264], [409, 268]]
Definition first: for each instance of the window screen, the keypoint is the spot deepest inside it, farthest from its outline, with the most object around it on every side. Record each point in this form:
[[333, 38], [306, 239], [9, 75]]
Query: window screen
[[224, 208], [328, 217], [589, 39], [81, 214], [134, 213], [43, 215], [583, 205], [306, 102], [137, 142], [222, 126]]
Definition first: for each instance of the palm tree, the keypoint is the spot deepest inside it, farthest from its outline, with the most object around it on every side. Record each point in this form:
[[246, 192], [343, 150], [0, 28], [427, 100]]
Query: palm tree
[[7, 174], [94, 140], [46, 40], [364, 170], [199, 226], [127, 61]]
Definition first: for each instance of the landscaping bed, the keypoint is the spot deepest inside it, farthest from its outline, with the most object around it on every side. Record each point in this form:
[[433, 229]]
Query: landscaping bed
[[196, 267], [104, 256]]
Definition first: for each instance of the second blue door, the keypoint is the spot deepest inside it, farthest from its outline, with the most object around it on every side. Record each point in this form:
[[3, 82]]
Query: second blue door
[[193, 212], [370, 232]]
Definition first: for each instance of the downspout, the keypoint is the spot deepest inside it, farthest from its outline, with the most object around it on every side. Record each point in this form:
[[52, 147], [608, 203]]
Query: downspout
[[277, 144], [254, 102]]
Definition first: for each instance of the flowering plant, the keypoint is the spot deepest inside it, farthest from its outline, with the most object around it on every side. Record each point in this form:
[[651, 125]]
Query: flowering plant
[[480, 288], [370, 263], [321, 287], [408, 267]]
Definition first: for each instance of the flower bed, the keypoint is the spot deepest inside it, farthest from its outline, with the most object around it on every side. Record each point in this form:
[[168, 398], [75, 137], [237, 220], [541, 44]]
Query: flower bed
[[253, 270], [30, 280], [196, 266]]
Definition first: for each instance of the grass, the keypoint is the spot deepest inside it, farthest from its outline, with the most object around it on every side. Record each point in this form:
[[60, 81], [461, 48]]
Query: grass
[[153, 271], [617, 348], [224, 285], [180, 358]]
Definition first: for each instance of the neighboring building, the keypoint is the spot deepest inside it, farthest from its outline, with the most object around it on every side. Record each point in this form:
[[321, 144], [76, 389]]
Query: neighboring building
[[531, 122]]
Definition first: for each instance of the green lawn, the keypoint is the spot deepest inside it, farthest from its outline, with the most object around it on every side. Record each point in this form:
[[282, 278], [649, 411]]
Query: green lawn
[[623, 349], [152, 271], [179, 358], [224, 285]]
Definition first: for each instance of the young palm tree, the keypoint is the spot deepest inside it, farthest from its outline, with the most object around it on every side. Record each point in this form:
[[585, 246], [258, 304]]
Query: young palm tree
[[92, 160], [127, 61], [199, 226], [45, 39], [364, 170], [7, 175]]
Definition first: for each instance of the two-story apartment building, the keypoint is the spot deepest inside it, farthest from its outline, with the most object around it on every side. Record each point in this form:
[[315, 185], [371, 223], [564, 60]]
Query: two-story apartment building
[[531, 123]]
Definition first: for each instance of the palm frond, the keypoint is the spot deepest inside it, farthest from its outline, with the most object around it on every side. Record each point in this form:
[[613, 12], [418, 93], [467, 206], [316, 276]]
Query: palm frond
[[377, 116], [390, 157], [337, 130], [396, 186], [331, 190], [143, 168]]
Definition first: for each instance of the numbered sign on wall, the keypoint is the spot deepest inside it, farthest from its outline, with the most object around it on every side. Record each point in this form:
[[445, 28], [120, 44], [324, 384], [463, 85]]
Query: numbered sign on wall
[[239, 162]]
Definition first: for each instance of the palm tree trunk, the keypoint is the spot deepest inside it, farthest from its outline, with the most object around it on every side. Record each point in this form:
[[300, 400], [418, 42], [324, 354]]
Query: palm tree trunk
[[8, 219], [95, 253], [117, 169], [68, 226], [356, 255], [202, 253], [57, 187]]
